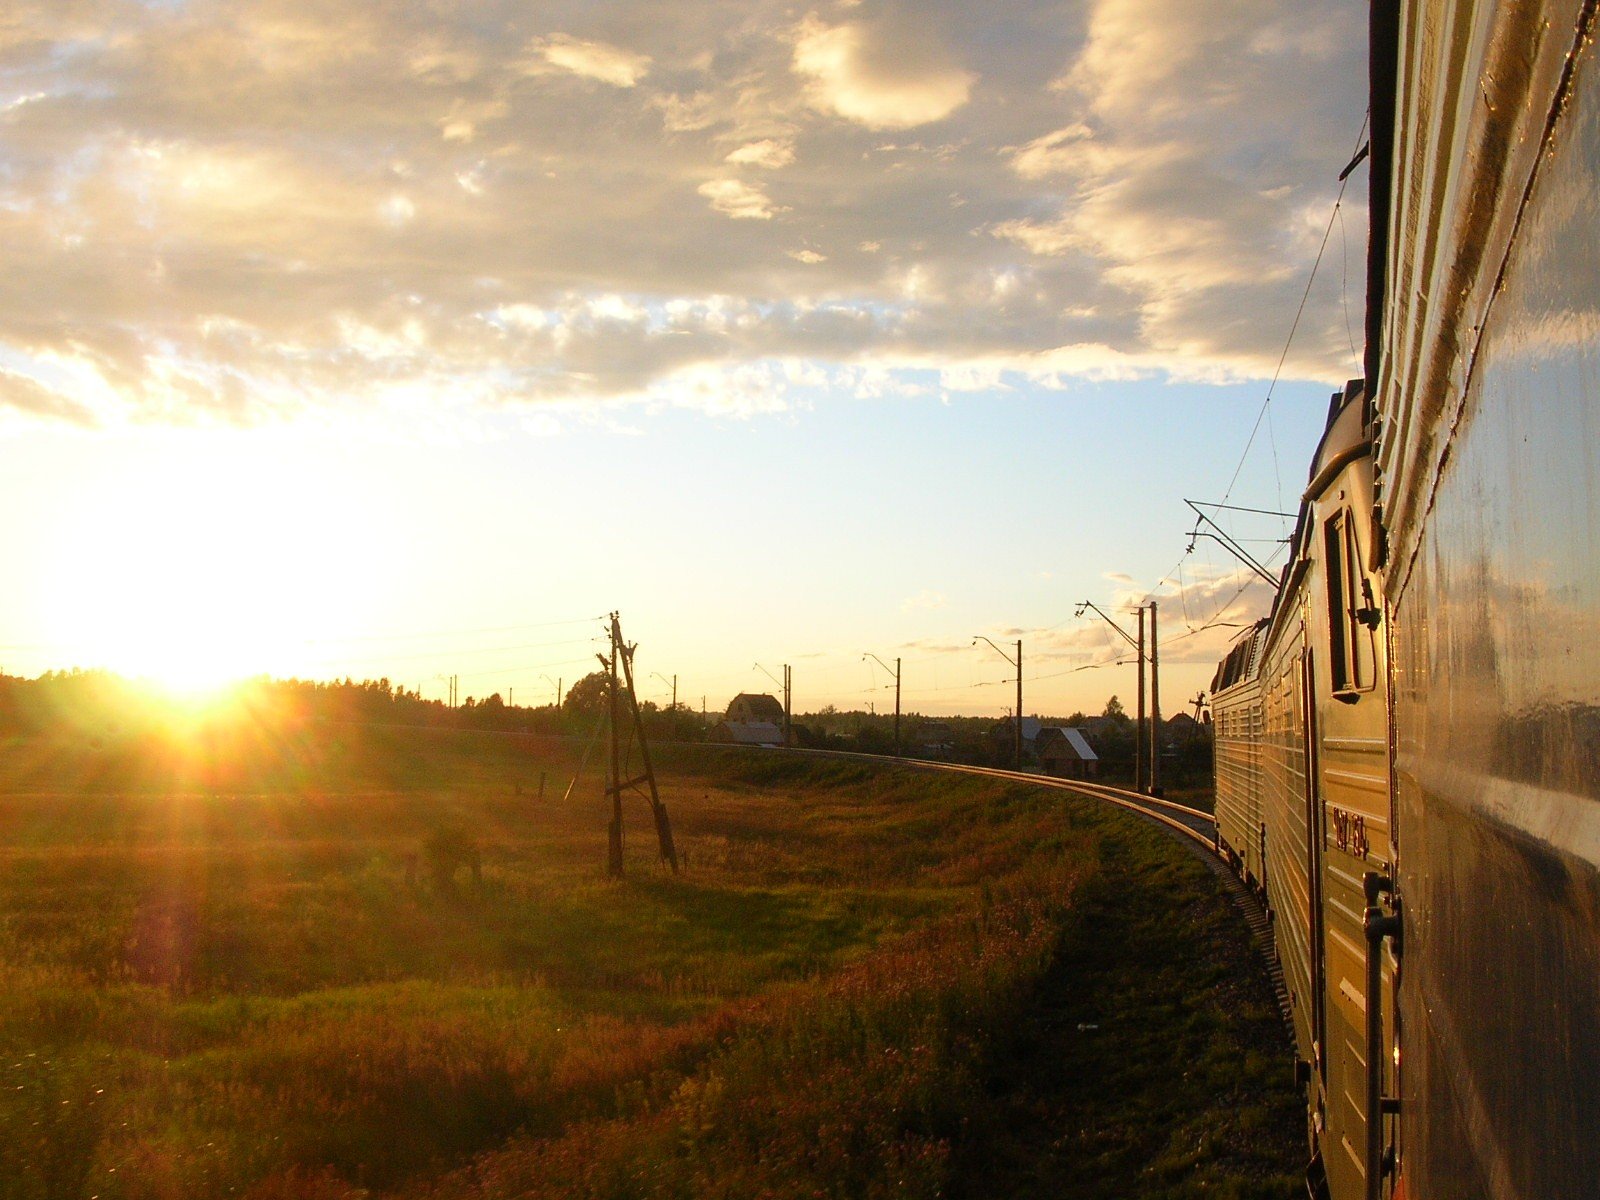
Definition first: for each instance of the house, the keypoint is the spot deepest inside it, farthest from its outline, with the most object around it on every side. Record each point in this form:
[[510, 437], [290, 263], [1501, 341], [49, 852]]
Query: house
[[752, 720], [1065, 752], [746, 733], [749, 706]]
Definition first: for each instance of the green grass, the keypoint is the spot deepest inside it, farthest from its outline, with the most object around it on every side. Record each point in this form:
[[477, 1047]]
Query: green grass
[[225, 968]]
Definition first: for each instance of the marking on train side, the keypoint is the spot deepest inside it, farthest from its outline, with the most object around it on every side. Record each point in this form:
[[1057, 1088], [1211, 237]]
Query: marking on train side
[[1349, 992], [1349, 831], [1344, 1140]]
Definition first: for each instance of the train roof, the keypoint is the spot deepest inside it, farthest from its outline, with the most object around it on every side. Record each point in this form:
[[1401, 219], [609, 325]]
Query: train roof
[[1242, 661]]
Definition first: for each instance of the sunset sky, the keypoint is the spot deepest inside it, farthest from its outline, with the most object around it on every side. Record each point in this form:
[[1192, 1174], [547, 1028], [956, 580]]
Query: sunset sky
[[405, 339]]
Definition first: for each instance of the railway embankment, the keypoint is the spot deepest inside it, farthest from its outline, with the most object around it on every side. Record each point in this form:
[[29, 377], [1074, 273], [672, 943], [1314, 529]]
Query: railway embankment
[[1155, 1061]]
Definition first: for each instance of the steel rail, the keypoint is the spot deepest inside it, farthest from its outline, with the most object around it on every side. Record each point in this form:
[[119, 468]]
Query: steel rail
[[1193, 823]]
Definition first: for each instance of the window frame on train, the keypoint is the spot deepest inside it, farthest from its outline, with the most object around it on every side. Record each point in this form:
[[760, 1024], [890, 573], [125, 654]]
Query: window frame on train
[[1352, 660]]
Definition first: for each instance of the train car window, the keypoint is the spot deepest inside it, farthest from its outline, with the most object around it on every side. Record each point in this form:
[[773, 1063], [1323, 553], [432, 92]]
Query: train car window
[[1349, 641]]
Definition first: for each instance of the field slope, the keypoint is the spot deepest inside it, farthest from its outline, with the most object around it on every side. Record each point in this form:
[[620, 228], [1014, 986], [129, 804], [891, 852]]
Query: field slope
[[329, 961]]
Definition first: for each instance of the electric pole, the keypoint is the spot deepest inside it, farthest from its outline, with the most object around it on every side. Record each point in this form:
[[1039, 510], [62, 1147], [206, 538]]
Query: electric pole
[[1141, 768], [1155, 707], [885, 666], [614, 781], [1019, 704], [1017, 731], [1138, 646], [785, 683], [622, 656]]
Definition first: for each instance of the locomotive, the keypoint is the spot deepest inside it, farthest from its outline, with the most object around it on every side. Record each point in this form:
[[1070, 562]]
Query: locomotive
[[1408, 746]]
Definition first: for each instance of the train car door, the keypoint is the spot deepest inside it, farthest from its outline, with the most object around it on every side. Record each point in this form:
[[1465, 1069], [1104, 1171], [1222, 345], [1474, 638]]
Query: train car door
[[1352, 781]]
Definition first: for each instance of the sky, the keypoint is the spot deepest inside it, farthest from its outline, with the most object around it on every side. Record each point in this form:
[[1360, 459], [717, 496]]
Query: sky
[[407, 339]]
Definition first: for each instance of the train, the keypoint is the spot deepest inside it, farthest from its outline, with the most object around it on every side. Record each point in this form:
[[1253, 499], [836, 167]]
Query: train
[[1408, 744]]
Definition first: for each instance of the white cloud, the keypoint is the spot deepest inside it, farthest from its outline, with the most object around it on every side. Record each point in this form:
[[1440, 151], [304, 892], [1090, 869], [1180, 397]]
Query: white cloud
[[889, 74], [925, 600], [592, 60], [737, 199], [809, 257], [1053, 153], [461, 123], [771, 153]]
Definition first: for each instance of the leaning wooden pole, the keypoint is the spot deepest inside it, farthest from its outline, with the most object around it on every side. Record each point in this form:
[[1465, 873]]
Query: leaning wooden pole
[[669, 852], [614, 856]]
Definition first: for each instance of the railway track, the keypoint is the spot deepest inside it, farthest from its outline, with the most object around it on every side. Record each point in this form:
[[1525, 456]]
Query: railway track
[[1192, 823]]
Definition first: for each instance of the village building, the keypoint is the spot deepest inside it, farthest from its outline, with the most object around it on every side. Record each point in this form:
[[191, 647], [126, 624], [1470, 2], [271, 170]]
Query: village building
[[753, 706], [746, 733], [752, 719], [1064, 752]]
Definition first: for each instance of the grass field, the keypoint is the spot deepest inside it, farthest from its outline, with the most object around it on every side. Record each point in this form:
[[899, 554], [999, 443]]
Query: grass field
[[229, 967]]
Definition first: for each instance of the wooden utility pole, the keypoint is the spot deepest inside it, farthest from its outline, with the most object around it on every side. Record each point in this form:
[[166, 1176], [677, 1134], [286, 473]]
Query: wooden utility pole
[[1140, 768], [1155, 707], [614, 778], [621, 659], [788, 681]]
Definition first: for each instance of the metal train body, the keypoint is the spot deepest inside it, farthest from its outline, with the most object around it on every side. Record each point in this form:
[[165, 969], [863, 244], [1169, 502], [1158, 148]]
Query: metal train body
[[1409, 747]]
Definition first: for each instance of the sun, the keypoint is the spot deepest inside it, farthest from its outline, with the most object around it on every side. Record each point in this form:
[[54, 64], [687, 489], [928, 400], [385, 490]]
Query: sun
[[195, 569]]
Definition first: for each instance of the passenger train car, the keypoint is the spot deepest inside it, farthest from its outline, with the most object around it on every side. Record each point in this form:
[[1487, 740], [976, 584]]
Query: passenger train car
[[1408, 747]]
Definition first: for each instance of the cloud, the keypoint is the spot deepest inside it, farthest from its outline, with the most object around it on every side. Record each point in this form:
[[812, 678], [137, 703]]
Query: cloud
[[925, 600], [737, 199], [771, 153], [592, 60], [1174, 174], [261, 212], [890, 73], [462, 122]]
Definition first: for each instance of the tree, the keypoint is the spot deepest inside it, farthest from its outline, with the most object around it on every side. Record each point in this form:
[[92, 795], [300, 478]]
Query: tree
[[1114, 710], [587, 697]]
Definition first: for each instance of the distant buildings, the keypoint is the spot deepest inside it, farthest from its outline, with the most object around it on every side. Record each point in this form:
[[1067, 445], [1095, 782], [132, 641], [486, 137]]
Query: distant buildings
[[749, 707], [753, 719], [746, 733], [1064, 751]]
